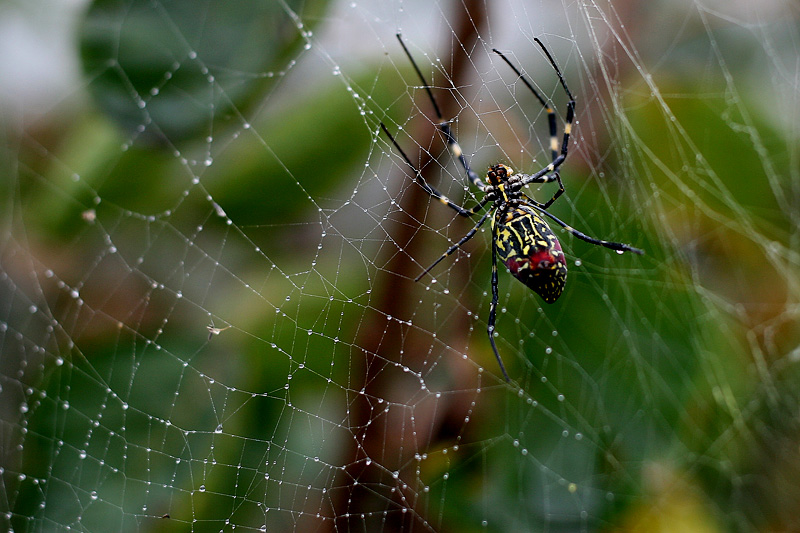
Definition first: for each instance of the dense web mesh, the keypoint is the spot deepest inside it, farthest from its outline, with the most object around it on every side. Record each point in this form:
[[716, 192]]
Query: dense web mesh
[[208, 313]]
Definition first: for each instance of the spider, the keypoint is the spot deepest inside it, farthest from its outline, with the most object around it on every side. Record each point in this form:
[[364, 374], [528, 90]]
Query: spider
[[521, 238]]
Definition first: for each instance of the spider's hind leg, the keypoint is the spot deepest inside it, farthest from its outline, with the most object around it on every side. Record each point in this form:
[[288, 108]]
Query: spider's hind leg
[[493, 311]]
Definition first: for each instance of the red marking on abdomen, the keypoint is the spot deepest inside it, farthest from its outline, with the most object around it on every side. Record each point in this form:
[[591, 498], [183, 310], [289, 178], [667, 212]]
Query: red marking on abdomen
[[515, 264], [542, 259]]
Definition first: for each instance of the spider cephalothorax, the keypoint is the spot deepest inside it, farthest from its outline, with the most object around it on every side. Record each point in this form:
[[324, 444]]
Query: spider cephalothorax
[[521, 238], [499, 174]]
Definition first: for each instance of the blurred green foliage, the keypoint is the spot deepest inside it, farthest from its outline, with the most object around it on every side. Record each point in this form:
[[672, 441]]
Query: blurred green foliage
[[201, 60]]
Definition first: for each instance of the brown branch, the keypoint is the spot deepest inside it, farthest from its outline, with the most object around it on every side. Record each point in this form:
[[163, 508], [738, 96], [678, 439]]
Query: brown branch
[[385, 441]]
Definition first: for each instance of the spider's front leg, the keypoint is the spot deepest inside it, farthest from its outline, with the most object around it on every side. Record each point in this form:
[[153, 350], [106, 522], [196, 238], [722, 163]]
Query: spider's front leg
[[455, 149], [430, 189]]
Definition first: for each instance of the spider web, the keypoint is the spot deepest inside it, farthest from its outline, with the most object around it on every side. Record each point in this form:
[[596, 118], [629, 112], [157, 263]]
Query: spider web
[[208, 314]]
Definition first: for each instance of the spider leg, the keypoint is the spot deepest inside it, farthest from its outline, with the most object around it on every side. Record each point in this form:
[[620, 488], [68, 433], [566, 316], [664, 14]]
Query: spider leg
[[457, 245], [549, 173], [558, 193], [432, 190], [493, 311], [551, 114], [444, 125], [456, 150], [547, 178], [570, 104], [618, 246], [546, 175]]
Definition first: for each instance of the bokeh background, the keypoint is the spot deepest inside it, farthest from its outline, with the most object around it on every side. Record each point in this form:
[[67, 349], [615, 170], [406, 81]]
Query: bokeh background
[[208, 319]]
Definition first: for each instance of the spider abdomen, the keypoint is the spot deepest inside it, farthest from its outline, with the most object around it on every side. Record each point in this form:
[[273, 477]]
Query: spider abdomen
[[530, 251]]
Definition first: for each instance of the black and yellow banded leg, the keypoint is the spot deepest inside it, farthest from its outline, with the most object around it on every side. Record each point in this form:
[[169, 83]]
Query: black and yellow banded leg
[[547, 174], [570, 105], [457, 152], [551, 114], [555, 175], [429, 188], [457, 245], [558, 193], [493, 311], [618, 246], [444, 126], [558, 157]]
